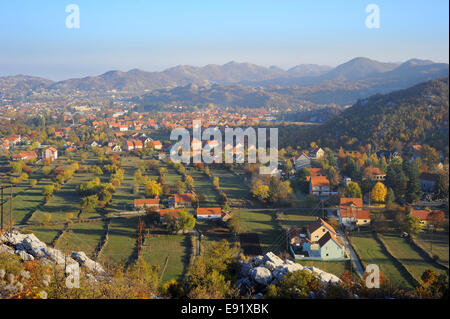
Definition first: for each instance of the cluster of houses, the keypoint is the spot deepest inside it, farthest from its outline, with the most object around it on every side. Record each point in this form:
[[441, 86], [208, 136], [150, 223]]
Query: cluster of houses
[[175, 204]]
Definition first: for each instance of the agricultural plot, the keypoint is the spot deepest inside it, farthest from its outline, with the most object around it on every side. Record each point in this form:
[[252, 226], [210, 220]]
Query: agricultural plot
[[297, 218], [45, 233], [262, 222], [371, 252], [435, 244], [408, 256], [121, 243], [213, 231], [203, 185], [232, 185], [174, 250], [81, 236], [63, 202], [123, 197]]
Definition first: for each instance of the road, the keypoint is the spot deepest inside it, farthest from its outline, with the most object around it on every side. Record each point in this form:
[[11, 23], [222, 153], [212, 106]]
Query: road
[[351, 252]]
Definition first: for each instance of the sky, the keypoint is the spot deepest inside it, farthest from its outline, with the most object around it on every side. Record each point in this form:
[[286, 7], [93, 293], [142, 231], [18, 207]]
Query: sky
[[155, 35]]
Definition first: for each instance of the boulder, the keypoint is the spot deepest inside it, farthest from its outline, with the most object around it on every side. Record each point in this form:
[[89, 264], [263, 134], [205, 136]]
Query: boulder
[[32, 243], [244, 269], [24, 255], [273, 260], [57, 256], [261, 275], [6, 249], [257, 260], [12, 238], [84, 260]]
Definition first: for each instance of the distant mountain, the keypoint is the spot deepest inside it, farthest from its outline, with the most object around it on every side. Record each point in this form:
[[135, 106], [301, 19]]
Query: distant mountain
[[343, 85], [419, 114], [303, 70]]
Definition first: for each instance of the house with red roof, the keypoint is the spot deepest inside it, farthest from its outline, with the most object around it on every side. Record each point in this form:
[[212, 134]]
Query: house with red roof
[[50, 154], [25, 156], [208, 213], [143, 203]]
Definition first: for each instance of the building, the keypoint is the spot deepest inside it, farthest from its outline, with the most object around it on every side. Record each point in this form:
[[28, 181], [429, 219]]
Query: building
[[319, 186], [209, 213], [25, 156], [427, 181], [50, 153], [303, 161], [183, 200], [427, 216], [144, 203], [351, 212], [316, 153], [168, 213], [374, 174]]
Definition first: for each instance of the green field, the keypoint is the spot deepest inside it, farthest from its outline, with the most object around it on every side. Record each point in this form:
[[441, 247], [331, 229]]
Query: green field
[[371, 252], [81, 236], [262, 222], [297, 218], [64, 201], [436, 244], [408, 256], [45, 233], [230, 184], [203, 185], [121, 242], [176, 248]]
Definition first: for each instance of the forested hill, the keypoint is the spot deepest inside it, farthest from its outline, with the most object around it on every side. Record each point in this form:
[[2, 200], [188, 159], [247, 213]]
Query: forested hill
[[418, 114]]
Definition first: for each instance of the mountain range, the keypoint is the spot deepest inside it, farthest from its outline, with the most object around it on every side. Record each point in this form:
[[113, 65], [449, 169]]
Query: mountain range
[[235, 83]]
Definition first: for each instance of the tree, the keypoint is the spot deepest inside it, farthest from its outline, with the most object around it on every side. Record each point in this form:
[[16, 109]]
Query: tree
[[162, 171], [302, 179], [390, 196], [294, 285], [260, 191], [234, 224], [189, 181], [89, 203], [353, 190], [33, 182], [223, 199], [413, 191], [440, 190], [411, 225], [153, 189], [216, 182], [46, 218], [379, 192], [180, 186]]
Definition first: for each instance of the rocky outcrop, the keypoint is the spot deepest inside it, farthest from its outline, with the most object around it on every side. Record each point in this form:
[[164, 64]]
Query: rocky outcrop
[[29, 247], [261, 271]]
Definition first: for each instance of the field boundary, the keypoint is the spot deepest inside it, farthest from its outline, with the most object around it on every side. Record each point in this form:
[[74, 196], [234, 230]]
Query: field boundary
[[409, 275], [102, 243], [425, 254]]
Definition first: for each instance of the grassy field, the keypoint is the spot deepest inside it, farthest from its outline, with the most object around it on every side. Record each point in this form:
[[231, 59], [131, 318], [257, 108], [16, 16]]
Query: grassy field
[[121, 241], [203, 185], [176, 248], [436, 244], [262, 222], [298, 218], [232, 185], [45, 233], [371, 252], [64, 201], [408, 256], [81, 236]]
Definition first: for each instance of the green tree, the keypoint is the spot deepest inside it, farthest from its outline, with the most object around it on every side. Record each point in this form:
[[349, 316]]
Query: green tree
[[353, 190], [411, 225]]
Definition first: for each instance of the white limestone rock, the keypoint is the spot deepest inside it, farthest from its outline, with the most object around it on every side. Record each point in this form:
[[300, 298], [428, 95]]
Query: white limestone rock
[[24, 255], [84, 260], [261, 275]]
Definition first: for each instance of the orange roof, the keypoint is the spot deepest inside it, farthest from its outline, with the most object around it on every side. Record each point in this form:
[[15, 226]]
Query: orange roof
[[320, 222], [362, 214], [183, 198], [209, 211], [319, 181], [146, 201], [315, 171], [325, 238], [349, 200], [169, 211], [422, 214]]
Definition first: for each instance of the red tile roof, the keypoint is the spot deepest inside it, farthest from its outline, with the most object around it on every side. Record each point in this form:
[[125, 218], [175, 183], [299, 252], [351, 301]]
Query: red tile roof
[[146, 201], [209, 211]]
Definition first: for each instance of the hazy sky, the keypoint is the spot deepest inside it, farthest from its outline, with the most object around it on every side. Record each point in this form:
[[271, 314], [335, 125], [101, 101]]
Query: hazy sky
[[154, 35]]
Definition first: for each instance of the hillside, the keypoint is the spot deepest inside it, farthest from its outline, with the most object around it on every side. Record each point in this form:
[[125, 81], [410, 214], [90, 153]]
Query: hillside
[[419, 114]]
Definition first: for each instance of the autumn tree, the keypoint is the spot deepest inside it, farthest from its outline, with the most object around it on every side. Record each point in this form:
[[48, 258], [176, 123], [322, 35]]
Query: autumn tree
[[379, 192], [153, 189], [353, 190]]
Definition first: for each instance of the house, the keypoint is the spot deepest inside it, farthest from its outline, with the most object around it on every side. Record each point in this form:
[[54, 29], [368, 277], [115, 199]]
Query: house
[[316, 153], [183, 200], [427, 216], [319, 186], [427, 181], [320, 243], [14, 139], [208, 213], [157, 145], [24, 156], [303, 161], [129, 146], [50, 153], [330, 247], [143, 203], [168, 212], [374, 174], [317, 229]]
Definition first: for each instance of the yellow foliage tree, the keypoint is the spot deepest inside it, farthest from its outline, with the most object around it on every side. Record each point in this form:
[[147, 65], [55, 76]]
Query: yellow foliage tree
[[379, 192]]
